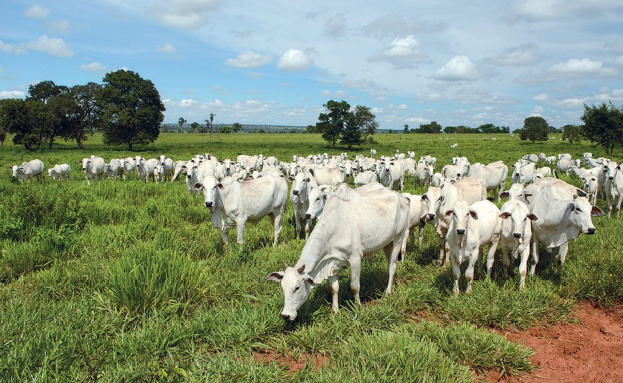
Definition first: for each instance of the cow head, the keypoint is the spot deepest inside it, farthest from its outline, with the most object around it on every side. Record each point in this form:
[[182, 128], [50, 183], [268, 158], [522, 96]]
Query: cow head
[[460, 213], [86, 163], [210, 187], [14, 170], [296, 286], [317, 199], [580, 213], [433, 200], [519, 217], [611, 169]]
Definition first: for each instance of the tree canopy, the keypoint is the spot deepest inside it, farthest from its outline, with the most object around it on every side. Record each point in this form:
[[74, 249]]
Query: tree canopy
[[572, 133], [603, 124], [132, 109], [534, 129], [341, 123]]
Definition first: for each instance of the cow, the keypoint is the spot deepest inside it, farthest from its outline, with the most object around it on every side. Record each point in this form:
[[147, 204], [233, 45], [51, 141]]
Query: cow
[[543, 172], [472, 227], [327, 175], [523, 173], [565, 165], [424, 173], [590, 185], [493, 176], [364, 178], [564, 156], [516, 192], [429, 160], [562, 217], [178, 168], [372, 153], [234, 203], [531, 157], [129, 166], [302, 184], [391, 174], [436, 179], [159, 175], [409, 166], [145, 168], [438, 200], [58, 171], [354, 226], [168, 166], [94, 168], [417, 214], [458, 170], [29, 170], [614, 186], [516, 235], [114, 169]]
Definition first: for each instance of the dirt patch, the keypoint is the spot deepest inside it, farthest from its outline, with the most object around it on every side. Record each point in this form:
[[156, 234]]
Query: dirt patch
[[589, 351], [292, 365]]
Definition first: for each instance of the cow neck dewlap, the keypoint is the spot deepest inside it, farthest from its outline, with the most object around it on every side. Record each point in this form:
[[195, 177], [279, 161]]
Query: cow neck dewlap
[[319, 262]]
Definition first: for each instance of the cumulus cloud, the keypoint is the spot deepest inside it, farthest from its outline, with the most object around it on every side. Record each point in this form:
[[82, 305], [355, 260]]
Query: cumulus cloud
[[337, 94], [554, 9], [401, 53], [185, 14], [393, 25], [167, 48], [575, 68], [37, 12], [53, 46], [361, 84], [249, 59], [516, 56], [17, 49], [418, 120], [12, 94], [541, 97], [403, 106], [94, 67], [335, 26], [459, 68], [430, 97], [570, 103], [59, 27], [294, 60], [251, 106]]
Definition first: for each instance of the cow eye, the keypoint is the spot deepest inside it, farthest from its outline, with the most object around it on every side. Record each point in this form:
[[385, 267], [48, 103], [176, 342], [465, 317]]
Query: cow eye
[[296, 288], [318, 199]]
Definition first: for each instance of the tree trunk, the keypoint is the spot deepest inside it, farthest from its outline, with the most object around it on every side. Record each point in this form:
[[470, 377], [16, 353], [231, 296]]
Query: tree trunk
[[79, 141], [51, 142], [218, 133], [131, 146]]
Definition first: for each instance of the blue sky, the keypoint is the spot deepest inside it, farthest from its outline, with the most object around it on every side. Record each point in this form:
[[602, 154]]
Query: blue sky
[[277, 62]]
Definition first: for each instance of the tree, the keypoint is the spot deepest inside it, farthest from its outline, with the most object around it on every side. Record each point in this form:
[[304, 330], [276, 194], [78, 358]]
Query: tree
[[194, 126], [44, 91], [331, 124], [181, 122], [534, 129], [236, 127], [406, 129], [572, 133], [433, 127], [27, 120], [603, 124], [218, 128], [352, 134], [87, 113], [2, 137], [365, 120], [132, 109]]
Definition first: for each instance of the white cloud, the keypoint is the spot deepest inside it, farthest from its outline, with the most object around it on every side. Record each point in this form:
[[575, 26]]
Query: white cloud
[[376, 110], [251, 106], [403, 106], [418, 120], [393, 25], [335, 26], [571, 103], [294, 60], [249, 59], [185, 14], [17, 49], [554, 9], [401, 53], [54, 46], [167, 48], [59, 27], [541, 97], [516, 56], [94, 67], [576, 68], [340, 94], [361, 84], [37, 12], [12, 94], [459, 68], [618, 61], [429, 97]]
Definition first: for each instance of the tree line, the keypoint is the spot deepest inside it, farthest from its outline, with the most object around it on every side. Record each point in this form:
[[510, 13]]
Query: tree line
[[126, 108]]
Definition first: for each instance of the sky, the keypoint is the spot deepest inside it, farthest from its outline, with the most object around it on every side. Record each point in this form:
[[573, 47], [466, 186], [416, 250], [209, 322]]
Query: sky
[[277, 62]]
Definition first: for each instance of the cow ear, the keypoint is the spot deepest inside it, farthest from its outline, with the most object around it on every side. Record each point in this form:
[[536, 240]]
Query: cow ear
[[532, 217], [504, 194], [301, 269], [324, 197], [219, 185], [424, 197], [198, 186], [596, 211], [311, 170], [310, 281], [449, 212], [473, 214], [291, 179], [527, 194], [307, 179], [505, 215], [571, 206], [277, 276]]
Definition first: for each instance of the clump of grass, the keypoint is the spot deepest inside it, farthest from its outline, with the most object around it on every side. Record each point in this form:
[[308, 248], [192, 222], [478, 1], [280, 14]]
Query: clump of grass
[[148, 280]]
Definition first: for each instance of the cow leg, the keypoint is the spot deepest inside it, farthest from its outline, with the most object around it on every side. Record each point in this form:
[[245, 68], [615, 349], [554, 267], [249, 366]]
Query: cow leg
[[240, 228], [391, 253], [297, 224], [469, 272], [335, 288], [355, 274], [491, 255], [456, 272], [562, 255], [409, 235], [609, 204], [618, 205], [535, 255], [506, 262], [307, 226], [523, 267], [276, 221], [225, 234]]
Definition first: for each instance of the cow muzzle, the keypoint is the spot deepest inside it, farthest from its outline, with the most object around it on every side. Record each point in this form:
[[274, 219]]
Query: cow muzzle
[[430, 217], [591, 230], [460, 231], [295, 192], [307, 216], [517, 235], [288, 317], [209, 204]]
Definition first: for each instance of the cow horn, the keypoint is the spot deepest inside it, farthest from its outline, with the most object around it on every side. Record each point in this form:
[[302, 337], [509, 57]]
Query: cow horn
[[285, 264], [301, 269]]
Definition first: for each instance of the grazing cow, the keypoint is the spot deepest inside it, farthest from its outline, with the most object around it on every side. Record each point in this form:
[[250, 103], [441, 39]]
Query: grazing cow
[[327, 175], [523, 173], [454, 146], [129, 166], [516, 192], [94, 168], [424, 173], [493, 176], [364, 178], [417, 214], [516, 235], [178, 169], [234, 203], [29, 170], [562, 217], [299, 195], [251, 163], [58, 171], [565, 165], [411, 154], [438, 200], [429, 160], [159, 175], [168, 166], [145, 168], [472, 227], [354, 226], [590, 185], [564, 156], [409, 165], [614, 186], [114, 169], [372, 153], [531, 157], [391, 174], [436, 180], [543, 172]]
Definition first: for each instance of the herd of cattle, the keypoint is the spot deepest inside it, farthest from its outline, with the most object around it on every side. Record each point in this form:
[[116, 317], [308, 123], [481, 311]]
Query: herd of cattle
[[352, 224]]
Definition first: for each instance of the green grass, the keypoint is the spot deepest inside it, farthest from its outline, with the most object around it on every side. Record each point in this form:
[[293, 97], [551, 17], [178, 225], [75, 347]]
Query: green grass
[[123, 281]]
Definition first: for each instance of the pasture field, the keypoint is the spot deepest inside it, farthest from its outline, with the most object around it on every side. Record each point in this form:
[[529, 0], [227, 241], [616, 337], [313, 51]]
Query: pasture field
[[127, 281]]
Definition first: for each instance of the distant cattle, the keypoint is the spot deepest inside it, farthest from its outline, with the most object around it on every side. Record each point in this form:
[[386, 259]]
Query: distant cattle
[[94, 168], [60, 171]]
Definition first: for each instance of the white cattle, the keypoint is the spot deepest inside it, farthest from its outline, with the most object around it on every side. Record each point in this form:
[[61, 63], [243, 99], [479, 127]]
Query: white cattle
[[564, 156], [523, 172], [178, 168], [411, 154], [271, 161], [114, 169], [129, 166], [543, 172], [472, 227], [318, 196], [565, 165], [424, 173], [94, 168], [354, 226], [250, 162], [409, 166], [531, 157], [327, 175], [516, 235], [436, 180], [299, 195], [29, 170], [562, 217], [60, 171], [614, 186], [590, 185], [364, 178], [391, 174], [429, 160], [145, 168], [585, 173], [372, 153], [516, 192], [493, 175], [454, 146], [159, 175], [168, 165], [438, 200], [417, 214], [234, 203]]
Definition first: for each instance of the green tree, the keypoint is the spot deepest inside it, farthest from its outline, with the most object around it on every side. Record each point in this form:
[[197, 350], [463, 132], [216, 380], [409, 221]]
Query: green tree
[[406, 129], [181, 122], [534, 129], [87, 113], [2, 137], [44, 91], [27, 119], [603, 124], [572, 133], [433, 127], [132, 109], [365, 120], [331, 124], [236, 127], [194, 126], [352, 134], [62, 114]]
